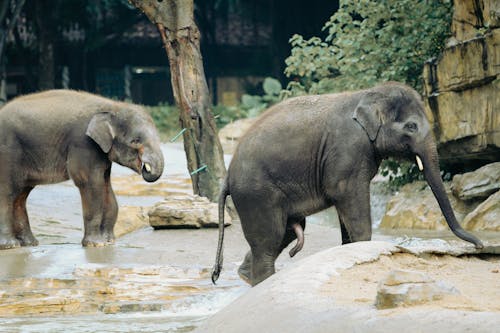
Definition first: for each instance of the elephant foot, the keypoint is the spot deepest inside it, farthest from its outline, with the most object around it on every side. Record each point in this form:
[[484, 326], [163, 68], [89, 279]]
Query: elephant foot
[[244, 275], [8, 243], [110, 237], [27, 240], [96, 241], [244, 271]]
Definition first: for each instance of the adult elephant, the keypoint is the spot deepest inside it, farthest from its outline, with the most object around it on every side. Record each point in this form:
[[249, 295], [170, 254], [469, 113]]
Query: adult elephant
[[311, 152], [55, 135]]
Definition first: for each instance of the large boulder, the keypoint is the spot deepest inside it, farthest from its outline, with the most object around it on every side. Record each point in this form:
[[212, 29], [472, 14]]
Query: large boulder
[[486, 216], [415, 207], [230, 134], [461, 87], [406, 288], [335, 291], [470, 17], [480, 183], [185, 211], [130, 219]]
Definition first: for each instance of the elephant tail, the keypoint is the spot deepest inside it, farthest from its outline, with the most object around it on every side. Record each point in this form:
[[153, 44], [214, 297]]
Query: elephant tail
[[220, 257]]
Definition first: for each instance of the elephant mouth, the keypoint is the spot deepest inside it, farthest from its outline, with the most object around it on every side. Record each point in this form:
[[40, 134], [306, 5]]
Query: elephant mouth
[[142, 167], [146, 167]]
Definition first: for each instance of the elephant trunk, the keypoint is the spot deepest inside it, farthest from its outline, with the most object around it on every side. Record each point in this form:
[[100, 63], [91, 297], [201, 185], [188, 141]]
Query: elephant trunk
[[430, 164], [152, 164]]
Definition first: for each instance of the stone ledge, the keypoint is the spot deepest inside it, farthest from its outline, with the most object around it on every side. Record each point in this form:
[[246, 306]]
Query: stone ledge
[[185, 211], [467, 64]]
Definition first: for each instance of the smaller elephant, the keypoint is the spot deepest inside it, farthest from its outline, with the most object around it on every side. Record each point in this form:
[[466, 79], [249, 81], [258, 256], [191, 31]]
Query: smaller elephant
[[308, 153], [53, 136]]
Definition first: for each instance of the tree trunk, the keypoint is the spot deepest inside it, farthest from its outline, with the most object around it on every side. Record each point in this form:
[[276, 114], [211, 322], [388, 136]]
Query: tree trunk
[[181, 38], [46, 37], [5, 30]]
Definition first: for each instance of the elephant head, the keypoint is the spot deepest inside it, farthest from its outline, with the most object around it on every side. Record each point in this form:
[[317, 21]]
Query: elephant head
[[393, 117], [129, 137]]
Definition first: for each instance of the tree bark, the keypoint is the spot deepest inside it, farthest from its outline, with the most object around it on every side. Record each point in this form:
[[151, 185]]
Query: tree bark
[[46, 37], [5, 30], [181, 38]]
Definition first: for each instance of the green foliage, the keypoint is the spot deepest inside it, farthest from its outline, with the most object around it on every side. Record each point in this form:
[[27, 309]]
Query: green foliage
[[369, 41], [227, 114], [400, 173], [253, 105], [250, 105], [166, 119]]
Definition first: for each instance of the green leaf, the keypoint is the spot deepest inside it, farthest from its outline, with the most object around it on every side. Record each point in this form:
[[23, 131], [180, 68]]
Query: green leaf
[[272, 86]]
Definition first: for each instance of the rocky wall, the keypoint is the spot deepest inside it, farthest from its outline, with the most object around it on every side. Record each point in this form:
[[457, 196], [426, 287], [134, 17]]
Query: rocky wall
[[462, 85]]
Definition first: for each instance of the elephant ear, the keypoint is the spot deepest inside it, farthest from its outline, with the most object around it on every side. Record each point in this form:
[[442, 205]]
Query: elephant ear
[[367, 114], [101, 131]]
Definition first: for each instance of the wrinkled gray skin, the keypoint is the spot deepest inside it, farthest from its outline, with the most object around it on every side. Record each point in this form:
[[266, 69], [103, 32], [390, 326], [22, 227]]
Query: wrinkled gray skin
[[56, 135], [311, 152]]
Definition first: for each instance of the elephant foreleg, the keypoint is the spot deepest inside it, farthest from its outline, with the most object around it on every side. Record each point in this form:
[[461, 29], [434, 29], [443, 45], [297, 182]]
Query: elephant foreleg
[[93, 204], [354, 215], [21, 222], [110, 212]]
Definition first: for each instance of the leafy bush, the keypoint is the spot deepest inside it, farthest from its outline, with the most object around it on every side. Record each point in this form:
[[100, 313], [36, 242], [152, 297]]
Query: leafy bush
[[227, 114], [370, 41], [251, 105], [166, 119]]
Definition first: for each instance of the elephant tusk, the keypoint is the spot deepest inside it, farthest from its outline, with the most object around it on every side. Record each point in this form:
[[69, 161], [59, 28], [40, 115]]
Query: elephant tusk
[[419, 163], [147, 167]]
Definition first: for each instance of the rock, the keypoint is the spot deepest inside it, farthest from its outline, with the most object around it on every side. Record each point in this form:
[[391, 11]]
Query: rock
[[467, 139], [470, 16], [461, 88], [478, 184], [486, 216], [415, 207], [185, 211], [130, 219], [404, 288], [231, 133], [334, 291], [459, 67]]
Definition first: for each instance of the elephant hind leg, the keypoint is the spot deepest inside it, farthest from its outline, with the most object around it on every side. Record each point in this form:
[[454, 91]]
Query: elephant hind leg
[[22, 228], [245, 269], [264, 229], [7, 233]]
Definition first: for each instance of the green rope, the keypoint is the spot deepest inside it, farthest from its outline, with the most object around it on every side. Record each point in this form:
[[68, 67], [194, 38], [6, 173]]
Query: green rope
[[203, 167], [178, 135]]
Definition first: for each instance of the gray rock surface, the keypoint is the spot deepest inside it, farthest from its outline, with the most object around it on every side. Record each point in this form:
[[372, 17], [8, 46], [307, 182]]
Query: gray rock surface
[[406, 288], [478, 184], [185, 211], [231, 133], [335, 290], [486, 216], [415, 207], [461, 87]]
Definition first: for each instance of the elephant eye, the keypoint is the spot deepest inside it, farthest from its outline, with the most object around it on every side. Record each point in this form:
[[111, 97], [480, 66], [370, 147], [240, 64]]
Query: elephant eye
[[136, 141], [411, 127]]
